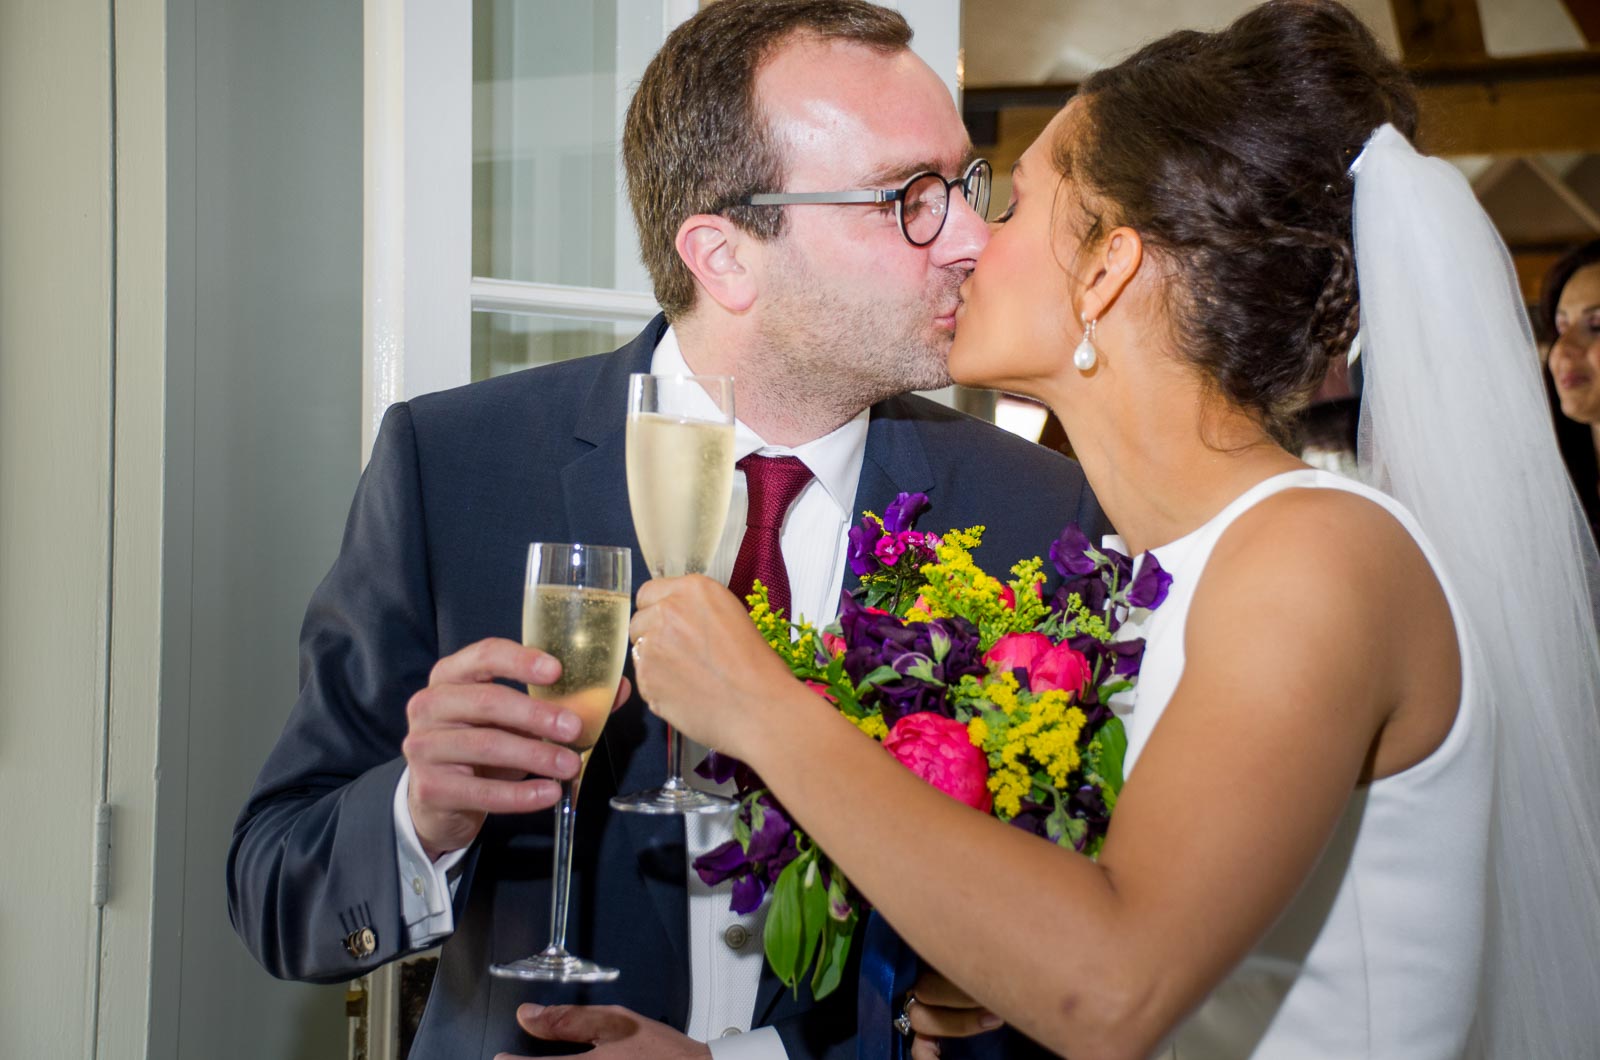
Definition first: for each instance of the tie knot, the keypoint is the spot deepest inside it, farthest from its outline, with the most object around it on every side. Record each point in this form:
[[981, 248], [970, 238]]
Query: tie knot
[[773, 483]]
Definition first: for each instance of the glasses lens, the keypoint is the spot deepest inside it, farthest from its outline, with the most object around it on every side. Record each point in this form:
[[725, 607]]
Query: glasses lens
[[923, 209], [977, 186]]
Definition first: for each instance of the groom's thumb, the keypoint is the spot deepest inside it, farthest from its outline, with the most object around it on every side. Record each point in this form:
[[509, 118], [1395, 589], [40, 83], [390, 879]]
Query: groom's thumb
[[577, 1023]]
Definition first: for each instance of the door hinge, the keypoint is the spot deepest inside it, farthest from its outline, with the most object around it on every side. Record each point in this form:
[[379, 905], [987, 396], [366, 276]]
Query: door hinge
[[100, 866]]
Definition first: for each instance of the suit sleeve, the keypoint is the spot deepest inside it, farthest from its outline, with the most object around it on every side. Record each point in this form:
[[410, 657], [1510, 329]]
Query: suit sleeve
[[313, 888]]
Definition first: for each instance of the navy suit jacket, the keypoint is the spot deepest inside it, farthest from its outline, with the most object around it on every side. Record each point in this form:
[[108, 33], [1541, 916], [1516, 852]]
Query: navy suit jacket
[[432, 560]]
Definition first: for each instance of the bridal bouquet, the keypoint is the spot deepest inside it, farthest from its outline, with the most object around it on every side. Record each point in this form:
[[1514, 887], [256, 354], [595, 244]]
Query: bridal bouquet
[[987, 690]]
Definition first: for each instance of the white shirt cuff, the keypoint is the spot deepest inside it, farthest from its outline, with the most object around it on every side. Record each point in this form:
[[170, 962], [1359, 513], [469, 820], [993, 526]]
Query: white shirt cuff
[[425, 889], [763, 1043]]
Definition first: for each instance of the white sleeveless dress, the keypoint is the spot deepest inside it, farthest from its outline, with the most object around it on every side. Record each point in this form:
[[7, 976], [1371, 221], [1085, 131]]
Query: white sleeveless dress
[[1379, 954]]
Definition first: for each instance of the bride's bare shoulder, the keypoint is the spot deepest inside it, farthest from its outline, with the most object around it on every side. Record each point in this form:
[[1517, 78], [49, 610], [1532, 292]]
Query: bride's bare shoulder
[[1336, 531], [1327, 564]]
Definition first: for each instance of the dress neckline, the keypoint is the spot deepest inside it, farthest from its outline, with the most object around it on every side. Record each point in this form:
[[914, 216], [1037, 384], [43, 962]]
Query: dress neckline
[[1178, 546]]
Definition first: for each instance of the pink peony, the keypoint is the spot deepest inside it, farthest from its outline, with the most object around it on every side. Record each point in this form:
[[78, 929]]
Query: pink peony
[[1008, 595], [1060, 667], [822, 690], [936, 748], [1049, 666], [834, 644], [1017, 651]]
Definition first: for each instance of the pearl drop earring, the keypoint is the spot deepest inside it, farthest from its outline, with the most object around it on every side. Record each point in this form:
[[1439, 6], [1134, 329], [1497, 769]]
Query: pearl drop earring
[[1085, 356]]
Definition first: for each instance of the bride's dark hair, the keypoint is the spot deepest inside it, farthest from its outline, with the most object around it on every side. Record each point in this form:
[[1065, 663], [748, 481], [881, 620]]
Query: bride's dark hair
[[1228, 153]]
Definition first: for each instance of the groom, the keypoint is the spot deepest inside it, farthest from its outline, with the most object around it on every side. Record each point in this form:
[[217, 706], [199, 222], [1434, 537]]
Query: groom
[[394, 813]]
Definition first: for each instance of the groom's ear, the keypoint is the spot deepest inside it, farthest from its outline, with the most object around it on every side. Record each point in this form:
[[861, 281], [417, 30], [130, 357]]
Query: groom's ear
[[1112, 268], [713, 248]]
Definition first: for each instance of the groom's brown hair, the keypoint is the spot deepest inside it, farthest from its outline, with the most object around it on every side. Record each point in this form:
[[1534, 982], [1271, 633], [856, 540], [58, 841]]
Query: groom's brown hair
[[695, 140]]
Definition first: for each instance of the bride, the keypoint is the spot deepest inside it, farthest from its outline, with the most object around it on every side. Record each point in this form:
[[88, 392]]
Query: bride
[[1361, 808]]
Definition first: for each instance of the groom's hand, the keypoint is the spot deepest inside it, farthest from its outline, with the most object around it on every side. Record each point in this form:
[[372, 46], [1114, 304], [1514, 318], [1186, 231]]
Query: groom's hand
[[615, 1032], [476, 747]]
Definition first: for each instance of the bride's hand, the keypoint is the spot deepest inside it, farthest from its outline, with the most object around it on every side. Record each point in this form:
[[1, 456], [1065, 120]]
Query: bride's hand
[[943, 1010], [701, 664]]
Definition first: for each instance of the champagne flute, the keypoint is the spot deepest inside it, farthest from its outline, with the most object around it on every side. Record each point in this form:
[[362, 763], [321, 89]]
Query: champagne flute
[[680, 479], [575, 606]]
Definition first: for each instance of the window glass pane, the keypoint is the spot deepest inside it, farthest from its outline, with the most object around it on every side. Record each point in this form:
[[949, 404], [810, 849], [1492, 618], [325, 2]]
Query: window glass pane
[[508, 342], [544, 141]]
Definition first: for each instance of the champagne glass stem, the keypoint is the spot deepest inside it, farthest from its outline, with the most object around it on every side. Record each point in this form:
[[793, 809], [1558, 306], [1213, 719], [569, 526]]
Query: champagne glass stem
[[674, 760], [566, 817]]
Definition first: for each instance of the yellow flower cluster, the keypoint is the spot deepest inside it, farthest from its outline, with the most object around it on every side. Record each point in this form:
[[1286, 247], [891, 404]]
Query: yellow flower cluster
[[795, 643], [1085, 621], [873, 725], [1021, 738], [956, 585], [1028, 610]]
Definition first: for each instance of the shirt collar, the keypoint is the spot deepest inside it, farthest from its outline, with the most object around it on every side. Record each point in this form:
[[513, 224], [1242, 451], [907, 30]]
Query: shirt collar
[[835, 458]]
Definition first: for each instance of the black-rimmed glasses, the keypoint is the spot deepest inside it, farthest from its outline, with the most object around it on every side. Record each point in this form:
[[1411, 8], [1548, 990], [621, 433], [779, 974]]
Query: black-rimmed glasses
[[921, 204]]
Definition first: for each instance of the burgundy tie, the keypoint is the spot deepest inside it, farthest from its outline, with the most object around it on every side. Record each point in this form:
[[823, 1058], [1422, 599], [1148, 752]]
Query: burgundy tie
[[773, 483]]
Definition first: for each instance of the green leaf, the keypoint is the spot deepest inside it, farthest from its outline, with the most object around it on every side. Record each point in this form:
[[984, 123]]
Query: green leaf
[[836, 940], [741, 832], [1111, 746], [814, 916], [878, 677], [923, 671], [879, 594], [782, 935]]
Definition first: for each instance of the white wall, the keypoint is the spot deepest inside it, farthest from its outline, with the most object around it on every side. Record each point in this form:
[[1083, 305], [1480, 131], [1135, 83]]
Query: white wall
[[55, 387], [180, 330], [263, 428]]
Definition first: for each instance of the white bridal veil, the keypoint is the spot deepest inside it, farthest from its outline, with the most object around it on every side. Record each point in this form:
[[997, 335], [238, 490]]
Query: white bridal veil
[[1455, 425]]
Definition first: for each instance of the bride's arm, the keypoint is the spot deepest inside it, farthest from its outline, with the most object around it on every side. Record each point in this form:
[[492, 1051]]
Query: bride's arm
[[1291, 672]]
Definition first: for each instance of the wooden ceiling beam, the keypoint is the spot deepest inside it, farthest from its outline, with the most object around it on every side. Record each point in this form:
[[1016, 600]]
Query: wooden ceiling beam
[[1586, 13], [1434, 30], [1521, 105]]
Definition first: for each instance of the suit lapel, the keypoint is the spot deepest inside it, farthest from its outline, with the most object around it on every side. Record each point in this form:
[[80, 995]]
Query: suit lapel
[[632, 751]]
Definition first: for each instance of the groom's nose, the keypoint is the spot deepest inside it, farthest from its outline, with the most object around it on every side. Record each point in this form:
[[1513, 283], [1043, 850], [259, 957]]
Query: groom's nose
[[963, 237]]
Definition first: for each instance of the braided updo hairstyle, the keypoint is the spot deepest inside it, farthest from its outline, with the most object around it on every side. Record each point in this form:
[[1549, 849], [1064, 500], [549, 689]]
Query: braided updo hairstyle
[[1228, 153]]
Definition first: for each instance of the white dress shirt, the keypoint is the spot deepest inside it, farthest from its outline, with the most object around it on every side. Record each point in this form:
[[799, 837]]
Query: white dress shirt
[[725, 949]]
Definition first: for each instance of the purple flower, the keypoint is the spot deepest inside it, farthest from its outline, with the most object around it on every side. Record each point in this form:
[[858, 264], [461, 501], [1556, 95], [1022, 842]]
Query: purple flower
[[753, 869], [877, 639], [721, 863], [767, 842], [904, 512], [1150, 586], [1090, 589], [863, 539], [1031, 818], [1126, 656], [720, 768], [729, 862], [1070, 552]]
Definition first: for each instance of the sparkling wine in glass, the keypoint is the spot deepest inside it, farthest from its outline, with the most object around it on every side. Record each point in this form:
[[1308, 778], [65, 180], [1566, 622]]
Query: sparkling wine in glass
[[680, 478], [575, 607]]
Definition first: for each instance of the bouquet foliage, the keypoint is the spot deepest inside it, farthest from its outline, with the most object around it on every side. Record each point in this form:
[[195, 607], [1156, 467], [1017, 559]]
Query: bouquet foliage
[[988, 690]]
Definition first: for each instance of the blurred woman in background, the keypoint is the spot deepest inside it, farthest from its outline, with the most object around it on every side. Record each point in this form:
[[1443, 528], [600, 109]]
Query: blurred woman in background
[[1570, 310]]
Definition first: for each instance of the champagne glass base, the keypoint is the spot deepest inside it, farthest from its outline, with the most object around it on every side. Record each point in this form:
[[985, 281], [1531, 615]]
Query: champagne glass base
[[555, 966], [671, 800]]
